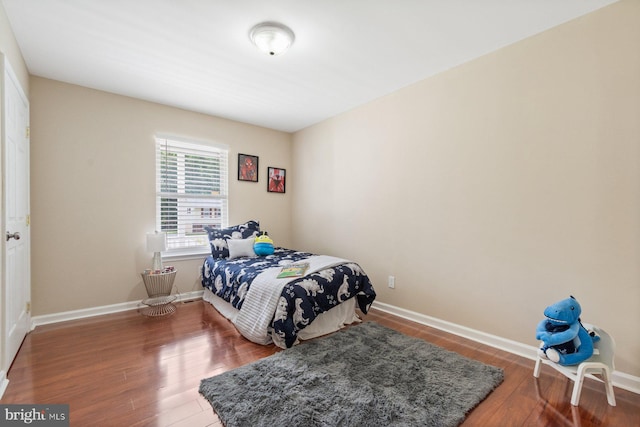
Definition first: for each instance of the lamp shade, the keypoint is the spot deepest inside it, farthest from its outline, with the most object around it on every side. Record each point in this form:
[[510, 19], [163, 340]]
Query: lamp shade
[[271, 37], [156, 242]]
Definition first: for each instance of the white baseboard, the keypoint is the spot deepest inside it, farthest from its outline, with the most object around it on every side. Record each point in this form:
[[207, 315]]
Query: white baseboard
[[4, 382], [98, 311], [619, 379]]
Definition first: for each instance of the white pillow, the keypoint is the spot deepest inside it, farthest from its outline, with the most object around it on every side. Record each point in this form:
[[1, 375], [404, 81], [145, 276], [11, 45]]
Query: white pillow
[[241, 247]]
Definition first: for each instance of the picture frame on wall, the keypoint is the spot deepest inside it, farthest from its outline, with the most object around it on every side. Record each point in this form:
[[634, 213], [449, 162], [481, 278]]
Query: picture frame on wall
[[247, 167], [276, 180]]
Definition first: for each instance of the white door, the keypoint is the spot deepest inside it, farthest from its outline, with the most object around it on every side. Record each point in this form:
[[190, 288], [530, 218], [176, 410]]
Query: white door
[[16, 262]]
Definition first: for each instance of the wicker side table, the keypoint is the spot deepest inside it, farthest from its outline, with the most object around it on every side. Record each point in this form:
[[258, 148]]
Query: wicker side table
[[159, 287]]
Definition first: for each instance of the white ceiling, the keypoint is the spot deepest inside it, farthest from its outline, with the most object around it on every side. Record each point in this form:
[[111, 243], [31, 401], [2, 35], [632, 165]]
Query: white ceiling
[[196, 54]]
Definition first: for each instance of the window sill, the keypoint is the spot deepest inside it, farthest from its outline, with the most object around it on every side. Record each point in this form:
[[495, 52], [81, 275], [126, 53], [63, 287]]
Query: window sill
[[186, 255]]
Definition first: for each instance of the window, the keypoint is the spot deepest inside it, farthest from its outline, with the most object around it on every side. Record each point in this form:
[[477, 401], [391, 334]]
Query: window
[[191, 192]]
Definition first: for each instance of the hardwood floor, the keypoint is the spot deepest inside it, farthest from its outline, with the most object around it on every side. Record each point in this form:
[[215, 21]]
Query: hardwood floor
[[128, 370]]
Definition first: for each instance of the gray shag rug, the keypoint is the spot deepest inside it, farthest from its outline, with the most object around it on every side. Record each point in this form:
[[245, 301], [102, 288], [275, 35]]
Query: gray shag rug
[[365, 375]]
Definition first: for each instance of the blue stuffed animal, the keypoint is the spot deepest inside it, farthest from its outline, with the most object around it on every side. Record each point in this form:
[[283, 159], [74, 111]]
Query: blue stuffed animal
[[564, 339]]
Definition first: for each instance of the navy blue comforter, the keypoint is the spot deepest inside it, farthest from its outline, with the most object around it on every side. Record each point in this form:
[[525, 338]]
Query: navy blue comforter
[[310, 295]]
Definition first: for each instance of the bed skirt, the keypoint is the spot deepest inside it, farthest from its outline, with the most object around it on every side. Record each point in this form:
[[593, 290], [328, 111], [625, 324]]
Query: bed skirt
[[327, 322]]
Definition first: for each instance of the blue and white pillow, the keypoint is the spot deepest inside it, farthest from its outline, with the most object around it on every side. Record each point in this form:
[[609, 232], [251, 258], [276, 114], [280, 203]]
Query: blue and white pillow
[[218, 238]]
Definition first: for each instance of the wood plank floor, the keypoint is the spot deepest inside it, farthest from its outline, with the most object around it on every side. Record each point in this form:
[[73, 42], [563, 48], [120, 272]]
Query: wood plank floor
[[128, 370]]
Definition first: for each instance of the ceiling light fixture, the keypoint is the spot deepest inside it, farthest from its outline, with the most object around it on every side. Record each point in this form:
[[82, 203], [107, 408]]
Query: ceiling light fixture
[[272, 38]]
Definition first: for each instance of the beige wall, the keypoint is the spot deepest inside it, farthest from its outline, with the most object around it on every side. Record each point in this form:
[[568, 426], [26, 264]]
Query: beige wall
[[93, 191], [495, 188]]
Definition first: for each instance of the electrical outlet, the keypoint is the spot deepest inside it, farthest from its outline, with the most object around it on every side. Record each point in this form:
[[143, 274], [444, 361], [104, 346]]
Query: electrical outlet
[[392, 282]]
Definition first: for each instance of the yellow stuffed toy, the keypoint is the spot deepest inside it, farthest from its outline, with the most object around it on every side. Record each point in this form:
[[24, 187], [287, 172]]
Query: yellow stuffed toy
[[263, 245]]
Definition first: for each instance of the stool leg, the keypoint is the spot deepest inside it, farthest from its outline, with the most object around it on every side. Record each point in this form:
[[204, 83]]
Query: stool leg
[[606, 376], [577, 387], [536, 370]]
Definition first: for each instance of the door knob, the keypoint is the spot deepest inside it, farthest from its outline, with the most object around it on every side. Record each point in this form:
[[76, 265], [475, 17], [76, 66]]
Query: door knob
[[15, 235]]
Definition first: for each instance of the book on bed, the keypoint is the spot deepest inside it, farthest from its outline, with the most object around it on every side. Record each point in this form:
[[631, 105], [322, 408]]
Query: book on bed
[[293, 270]]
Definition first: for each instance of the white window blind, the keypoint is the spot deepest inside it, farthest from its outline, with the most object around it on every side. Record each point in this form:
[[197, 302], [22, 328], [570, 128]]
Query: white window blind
[[191, 192]]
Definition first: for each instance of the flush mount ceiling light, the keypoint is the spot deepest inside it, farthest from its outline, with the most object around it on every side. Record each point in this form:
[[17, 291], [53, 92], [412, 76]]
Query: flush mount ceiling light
[[271, 37]]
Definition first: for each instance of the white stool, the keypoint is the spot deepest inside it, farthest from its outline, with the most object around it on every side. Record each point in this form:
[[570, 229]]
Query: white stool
[[601, 362]]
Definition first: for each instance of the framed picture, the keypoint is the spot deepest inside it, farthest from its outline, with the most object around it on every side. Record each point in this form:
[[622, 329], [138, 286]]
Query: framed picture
[[276, 180], [247, 168]]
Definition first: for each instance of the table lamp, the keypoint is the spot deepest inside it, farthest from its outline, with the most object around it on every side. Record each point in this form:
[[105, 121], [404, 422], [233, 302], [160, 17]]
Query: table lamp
[[156, 243]]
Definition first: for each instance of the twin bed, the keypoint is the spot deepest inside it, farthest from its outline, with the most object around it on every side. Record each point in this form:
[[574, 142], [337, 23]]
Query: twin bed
[[245, 289]]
